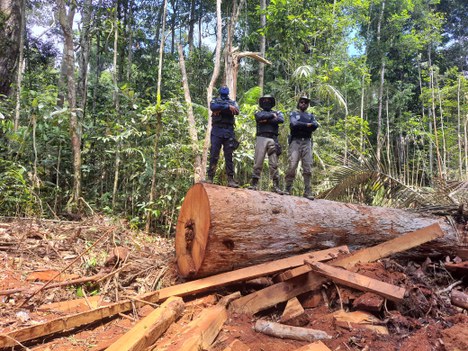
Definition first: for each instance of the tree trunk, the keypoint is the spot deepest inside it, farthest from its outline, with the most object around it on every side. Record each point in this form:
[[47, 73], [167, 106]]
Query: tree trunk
[[83, 57], [261, 67], [66, 22], [192, 22], [10, 24], [19, 75], [153, 194], [434, 114], [220, 229], [192, 127], [381, 86]]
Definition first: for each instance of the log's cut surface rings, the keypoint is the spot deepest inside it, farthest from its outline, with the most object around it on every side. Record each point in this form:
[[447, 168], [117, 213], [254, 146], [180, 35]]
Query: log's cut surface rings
[[192, 230]]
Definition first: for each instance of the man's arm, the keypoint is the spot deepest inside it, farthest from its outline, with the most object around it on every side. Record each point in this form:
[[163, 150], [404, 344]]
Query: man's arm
[[218, 105], [264, 116], [314, 123], [295, 124]]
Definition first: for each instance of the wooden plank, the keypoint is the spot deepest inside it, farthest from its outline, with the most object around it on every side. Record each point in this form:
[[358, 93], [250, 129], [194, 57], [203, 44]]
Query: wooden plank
[[293, 313], [150, 328], [399, 244], [374, 253], [243, 274], [275, 294], [76, 305], [201, 332], [359, 281], [315, 346], [192, 287], [69, 322], [305, 280]]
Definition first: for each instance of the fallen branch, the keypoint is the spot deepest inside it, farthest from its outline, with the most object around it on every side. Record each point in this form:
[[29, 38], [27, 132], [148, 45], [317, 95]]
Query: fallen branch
[[459, 298], [95, 277], [288, 332]]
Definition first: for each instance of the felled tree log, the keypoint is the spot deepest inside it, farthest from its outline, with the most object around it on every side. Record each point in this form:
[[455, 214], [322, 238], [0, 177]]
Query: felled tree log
[[220, 228]]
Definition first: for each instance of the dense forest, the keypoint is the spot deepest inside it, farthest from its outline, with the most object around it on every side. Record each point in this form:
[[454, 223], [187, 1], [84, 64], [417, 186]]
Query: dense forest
[[104, 103]]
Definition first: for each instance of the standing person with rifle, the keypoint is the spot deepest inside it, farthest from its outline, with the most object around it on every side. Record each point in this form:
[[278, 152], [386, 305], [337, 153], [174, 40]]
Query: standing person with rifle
[[302, 124], [268, 122], [222, 134]]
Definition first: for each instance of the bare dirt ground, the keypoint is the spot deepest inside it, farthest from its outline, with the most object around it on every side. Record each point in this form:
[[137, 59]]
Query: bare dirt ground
[[130, 263]]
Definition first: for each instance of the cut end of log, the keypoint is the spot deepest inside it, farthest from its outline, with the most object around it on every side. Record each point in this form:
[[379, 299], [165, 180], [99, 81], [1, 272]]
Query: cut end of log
[[192, 231]]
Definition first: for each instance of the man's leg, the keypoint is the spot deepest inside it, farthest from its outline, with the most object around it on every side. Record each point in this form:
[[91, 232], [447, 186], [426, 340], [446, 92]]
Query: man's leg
[[260, 151], [228, 149], [306, 151], [293, 162], [215, 148], [273, 166]]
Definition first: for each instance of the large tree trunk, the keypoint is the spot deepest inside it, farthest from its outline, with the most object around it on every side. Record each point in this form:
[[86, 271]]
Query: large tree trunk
[[10, 24], [220, 228]]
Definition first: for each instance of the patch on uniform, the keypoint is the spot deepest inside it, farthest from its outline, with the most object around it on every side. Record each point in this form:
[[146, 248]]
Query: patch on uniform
[[297, 116]]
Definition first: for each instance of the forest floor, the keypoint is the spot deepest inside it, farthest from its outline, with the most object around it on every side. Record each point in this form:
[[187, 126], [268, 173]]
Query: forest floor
[[130, 263]]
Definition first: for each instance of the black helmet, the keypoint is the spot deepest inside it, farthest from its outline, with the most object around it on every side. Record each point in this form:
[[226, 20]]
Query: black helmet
[[223, 91], [267, 102]]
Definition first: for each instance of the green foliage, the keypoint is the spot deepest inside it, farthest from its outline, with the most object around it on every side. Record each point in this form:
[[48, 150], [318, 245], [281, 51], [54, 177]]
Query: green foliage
[[16, 197]]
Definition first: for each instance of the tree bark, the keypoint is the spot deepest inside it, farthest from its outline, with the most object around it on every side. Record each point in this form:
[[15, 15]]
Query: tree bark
[[192, 22], [261, 66], [153, 192], [66, 22], [192, 127], [220, 229], [10, 24], [19, 75]]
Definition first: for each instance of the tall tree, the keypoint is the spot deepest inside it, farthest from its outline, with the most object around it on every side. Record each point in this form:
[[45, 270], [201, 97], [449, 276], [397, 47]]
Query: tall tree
[[10, 34], [66, 18]]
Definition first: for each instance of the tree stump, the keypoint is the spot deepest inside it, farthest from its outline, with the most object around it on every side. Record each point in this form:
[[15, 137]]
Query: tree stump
[[220, 229]]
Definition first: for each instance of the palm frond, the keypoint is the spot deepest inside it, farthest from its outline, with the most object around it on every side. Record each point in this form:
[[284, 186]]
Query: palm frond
[[305, 71], [333, 93], [363, 182]]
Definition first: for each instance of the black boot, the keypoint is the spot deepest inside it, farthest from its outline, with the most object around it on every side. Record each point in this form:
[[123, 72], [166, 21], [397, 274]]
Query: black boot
[[307, 192], [232, 183], [288, 190], [276, 188], [254, 184]]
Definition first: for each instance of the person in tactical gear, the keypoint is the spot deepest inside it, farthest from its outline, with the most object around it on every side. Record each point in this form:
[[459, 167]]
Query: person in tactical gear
[[268, 122], [302, 124], [222, 134]]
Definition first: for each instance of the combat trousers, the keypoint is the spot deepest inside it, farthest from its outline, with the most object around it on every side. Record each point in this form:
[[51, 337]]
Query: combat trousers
[[299, 150], [265, 146], [225, 138]]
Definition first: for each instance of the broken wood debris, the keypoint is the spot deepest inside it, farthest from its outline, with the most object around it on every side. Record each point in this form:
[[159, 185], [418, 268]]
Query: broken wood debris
[[289, 332], [204, 328], [358, 281], [149, 329]]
